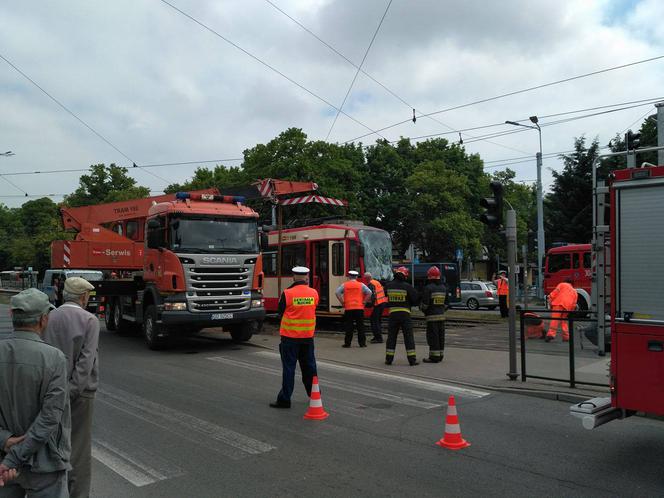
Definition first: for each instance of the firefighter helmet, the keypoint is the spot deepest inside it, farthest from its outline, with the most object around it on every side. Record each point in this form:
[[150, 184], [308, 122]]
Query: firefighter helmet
[[402, 270], [433, 273]]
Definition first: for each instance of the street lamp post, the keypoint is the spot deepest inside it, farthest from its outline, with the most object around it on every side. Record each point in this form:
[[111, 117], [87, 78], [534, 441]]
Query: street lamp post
[[540, 205]]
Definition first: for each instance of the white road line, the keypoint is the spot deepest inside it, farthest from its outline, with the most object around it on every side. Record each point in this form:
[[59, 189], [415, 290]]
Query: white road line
[[424, 384], [220, 439], [137, 473], [364, 391]]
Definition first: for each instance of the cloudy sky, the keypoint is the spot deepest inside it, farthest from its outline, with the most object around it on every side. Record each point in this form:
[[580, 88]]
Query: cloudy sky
[[162, 89]]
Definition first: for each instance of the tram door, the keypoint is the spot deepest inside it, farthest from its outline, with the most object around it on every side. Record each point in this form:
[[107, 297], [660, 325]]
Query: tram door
[[320, 272], [337, 272]]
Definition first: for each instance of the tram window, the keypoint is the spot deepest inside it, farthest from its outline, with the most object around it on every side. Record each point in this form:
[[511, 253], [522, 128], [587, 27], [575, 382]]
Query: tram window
[[576, 261], [353, 256], [292, 255], [338, 259], [270, 264]]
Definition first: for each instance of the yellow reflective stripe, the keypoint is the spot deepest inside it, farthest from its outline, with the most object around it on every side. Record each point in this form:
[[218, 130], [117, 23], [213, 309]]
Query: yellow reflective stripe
[[290, 327], [298, 320], [392, 310]]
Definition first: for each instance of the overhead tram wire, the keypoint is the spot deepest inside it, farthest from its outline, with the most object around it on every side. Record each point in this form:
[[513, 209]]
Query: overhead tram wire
[[157, 165], [71, 113], [382, 85], [517, 92], [364, 58], [270, 67]]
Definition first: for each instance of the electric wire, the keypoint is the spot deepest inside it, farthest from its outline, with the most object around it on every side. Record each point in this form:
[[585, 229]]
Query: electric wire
[[517, 92], [364, 58], [75, 116], [267, 65]]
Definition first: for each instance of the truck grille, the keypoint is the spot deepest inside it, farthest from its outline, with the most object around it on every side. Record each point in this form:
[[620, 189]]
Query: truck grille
[[219, 289]]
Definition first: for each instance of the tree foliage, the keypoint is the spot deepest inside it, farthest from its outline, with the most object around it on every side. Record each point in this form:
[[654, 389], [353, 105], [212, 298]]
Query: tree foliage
[[105, 184]]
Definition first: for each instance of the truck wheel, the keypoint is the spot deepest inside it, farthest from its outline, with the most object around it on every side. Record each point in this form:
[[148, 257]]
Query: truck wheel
[[243, 332], [151, 329], [109, 316], [122, 326], [473, 304]]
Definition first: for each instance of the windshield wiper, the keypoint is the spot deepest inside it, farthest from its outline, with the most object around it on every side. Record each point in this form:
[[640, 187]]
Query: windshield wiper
[[190, 250], [235, 250]]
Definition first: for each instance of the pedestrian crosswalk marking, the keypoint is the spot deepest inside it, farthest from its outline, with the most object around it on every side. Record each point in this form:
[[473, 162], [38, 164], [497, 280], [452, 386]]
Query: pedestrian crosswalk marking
[[420, 383], [225, 441]]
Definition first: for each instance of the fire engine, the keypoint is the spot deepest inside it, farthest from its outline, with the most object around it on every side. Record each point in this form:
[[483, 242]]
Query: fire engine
[[570, 262], [177, 263], [330, 249], [627, 297]]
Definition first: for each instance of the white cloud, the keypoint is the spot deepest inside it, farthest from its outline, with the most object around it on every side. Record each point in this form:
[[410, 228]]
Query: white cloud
[[163, 89]]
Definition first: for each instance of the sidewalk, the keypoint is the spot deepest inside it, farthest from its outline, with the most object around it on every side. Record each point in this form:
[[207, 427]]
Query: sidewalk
[[468, 367]]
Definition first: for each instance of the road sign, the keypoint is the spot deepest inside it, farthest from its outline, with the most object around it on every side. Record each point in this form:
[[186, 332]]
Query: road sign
[[459, 254]]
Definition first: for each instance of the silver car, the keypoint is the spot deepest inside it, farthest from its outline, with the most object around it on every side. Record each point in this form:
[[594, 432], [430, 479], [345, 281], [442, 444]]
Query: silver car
[[477, 294]]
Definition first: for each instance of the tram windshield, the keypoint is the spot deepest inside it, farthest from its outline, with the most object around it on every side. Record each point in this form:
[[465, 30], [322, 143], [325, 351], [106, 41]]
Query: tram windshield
[[377, 247]]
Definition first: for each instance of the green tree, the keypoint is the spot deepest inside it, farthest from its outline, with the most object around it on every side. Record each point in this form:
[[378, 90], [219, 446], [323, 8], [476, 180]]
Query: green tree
[[105, 184], [568, 207]]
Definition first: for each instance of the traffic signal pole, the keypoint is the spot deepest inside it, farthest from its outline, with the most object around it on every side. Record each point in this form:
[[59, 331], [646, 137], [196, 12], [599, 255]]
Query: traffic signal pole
[[510, 235]]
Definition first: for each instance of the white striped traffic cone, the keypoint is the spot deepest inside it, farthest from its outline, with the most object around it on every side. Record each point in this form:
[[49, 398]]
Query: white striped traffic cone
[[315, 410]]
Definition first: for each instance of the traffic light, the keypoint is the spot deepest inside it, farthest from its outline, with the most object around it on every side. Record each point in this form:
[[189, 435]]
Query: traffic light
[[632, 140], [493, 217]]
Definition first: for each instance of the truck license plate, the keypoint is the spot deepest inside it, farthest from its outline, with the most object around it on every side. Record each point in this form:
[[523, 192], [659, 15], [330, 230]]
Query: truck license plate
[[222, 316]]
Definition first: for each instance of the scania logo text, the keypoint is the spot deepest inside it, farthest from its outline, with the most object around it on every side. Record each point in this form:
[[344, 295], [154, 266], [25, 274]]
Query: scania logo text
[[219, 260]]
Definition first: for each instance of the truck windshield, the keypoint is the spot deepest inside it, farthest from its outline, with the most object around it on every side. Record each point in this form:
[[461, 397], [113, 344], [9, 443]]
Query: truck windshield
[[89, 276], [214, 235], [377, 247]]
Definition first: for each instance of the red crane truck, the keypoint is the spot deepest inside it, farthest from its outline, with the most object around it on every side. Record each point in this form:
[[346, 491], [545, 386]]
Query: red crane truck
[[185, 262], [632, 239]]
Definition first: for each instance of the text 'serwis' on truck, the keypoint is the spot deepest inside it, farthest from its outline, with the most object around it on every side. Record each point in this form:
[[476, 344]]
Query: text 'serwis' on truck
[[174, 264]]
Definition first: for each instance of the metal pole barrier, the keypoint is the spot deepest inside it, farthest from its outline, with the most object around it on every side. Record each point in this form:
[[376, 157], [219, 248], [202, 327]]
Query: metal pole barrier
[[572, 376], [510, 233], [523, 348]]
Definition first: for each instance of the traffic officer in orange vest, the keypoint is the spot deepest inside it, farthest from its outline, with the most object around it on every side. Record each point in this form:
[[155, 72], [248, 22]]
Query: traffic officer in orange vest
[[563, 298], [377, 304], [433, 305], [353, 294], [503, 286], [297, 307]]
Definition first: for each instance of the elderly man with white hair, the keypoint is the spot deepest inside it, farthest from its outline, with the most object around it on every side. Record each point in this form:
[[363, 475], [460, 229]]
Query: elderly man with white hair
[[75, 332]]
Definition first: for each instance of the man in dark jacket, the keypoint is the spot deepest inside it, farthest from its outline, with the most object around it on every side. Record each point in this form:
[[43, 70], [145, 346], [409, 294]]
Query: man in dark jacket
[[433, 306], [401, 296]]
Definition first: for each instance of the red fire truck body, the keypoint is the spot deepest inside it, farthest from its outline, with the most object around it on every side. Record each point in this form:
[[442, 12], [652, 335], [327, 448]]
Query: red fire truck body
[[637, 305]]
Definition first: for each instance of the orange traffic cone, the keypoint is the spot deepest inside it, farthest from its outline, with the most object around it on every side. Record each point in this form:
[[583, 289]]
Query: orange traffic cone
[[315, 410], [452, 439]]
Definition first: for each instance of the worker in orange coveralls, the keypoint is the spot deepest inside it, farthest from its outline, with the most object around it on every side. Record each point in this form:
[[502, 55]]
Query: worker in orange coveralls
[[562, 300]]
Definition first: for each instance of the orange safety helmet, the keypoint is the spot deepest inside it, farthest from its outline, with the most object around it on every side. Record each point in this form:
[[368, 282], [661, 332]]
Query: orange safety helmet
[[433, 273], [402, 270]]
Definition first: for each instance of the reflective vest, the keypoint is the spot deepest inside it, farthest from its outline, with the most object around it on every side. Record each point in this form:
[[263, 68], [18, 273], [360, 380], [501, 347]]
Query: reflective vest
[[564, 295], [299, 319], [353, 296], [503, 286], [380, 292]]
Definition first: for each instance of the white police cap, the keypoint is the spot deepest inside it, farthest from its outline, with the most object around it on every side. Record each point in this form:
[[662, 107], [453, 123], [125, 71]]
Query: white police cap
[[300, 270], [353, 273]]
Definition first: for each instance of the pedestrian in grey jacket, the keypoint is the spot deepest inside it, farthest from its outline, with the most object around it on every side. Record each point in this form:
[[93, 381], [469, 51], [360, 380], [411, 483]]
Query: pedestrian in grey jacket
[[34, 405], [75, 332]]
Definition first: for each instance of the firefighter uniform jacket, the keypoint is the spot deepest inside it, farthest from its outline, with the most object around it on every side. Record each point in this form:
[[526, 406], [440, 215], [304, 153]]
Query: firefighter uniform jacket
[[433, 301], [400, 296]]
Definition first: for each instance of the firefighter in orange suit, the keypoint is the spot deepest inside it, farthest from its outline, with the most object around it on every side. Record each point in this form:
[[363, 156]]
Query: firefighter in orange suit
[[377, 305], [353, 294], [562, 299], [297, 308], [503, 286]]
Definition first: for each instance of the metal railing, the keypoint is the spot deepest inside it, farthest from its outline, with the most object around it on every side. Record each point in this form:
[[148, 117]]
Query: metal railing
[[572, 318]]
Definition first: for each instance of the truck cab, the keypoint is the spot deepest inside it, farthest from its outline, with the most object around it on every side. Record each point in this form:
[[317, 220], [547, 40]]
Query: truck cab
[[570, 262]]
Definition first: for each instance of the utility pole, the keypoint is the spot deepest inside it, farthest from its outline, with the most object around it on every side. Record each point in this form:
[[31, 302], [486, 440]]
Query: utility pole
[[660, 132], [540, 225], [510, 234], [524, 253]]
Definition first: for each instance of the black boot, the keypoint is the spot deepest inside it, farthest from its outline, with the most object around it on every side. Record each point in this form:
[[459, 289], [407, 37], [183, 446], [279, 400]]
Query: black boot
[[280, 404], [430, 360]]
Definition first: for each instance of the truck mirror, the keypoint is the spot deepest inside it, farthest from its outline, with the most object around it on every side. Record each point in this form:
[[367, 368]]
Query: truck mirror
[[154, 224]]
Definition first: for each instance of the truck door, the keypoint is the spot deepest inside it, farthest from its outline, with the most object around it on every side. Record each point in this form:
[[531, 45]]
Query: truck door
[[337, 274], [558, 269]]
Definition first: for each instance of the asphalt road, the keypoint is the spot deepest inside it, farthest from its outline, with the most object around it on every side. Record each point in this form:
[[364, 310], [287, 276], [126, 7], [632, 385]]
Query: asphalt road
[[194, 421]]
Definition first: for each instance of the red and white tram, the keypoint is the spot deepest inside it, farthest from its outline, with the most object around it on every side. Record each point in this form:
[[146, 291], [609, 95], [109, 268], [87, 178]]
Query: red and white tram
[[330, 250]]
